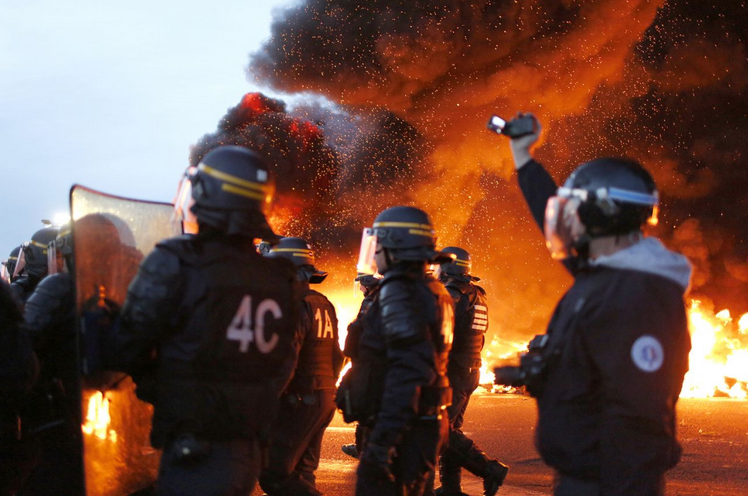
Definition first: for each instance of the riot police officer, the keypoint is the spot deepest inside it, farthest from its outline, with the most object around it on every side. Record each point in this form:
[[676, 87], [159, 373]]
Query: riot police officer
[[308, 404], [9, 266], [397, 387], [18, 371], [51, 415], [32, 263], [215, 323], [609, 370], [367, 284], [471, 324]]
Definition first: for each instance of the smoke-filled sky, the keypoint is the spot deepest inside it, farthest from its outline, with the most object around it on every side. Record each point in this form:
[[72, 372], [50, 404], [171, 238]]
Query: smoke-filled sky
[[111, 95], [661, 81]]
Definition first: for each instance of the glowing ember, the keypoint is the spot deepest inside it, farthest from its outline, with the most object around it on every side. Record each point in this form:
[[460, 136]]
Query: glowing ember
[[98, 419], [719, 353]]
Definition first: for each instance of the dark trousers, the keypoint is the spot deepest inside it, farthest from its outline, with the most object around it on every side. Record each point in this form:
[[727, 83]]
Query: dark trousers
[[227, 469], [413, 465], [461, 450], [297, 443]]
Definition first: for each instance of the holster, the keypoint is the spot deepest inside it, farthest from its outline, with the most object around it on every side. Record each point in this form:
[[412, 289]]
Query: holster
[[360, 392]]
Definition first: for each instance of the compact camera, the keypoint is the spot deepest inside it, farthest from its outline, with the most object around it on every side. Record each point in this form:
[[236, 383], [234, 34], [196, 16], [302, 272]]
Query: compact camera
[[514, 128], [532, 368]]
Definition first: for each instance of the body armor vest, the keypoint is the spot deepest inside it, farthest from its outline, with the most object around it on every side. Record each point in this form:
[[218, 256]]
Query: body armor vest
[[320, 353], [218, 368], [365, 382], [471, 323]]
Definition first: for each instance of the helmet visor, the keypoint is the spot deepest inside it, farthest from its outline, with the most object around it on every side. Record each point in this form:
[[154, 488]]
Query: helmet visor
[[21, 264], [559, 216], [366, 263], [54, 259], [183, 203]]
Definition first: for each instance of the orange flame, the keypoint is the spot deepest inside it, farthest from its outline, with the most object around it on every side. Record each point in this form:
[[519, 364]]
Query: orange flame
[[98, 419], [719, 353]]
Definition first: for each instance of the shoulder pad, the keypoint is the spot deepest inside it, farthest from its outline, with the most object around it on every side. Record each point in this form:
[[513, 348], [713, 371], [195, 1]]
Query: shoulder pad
[[401, 319], [182, 246], [480, 290], [161, 263], [56, 284]]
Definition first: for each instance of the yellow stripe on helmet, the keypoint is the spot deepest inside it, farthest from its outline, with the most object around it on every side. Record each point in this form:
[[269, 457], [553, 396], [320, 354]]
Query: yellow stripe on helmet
[[413, 225], [418, 232], [463, 263], [231, 179], [230, 188], [37, 244]]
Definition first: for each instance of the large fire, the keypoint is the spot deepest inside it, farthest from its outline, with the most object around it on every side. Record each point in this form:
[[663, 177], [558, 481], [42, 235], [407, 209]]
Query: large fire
[[718, 362]]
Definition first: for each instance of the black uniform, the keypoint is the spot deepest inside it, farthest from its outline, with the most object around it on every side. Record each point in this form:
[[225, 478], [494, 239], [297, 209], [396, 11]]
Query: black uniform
[[23, 286], [471, 324], [308, 405], [18, 371], [221, 321], [617, 352], [52, 415], [397, 386], [350, 350]]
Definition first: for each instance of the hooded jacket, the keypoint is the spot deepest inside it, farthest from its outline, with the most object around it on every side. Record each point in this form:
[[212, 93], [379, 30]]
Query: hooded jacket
[[617, 354]]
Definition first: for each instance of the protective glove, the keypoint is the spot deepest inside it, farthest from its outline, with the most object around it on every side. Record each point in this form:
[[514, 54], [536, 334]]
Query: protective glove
[[521, 146], [377, 460]]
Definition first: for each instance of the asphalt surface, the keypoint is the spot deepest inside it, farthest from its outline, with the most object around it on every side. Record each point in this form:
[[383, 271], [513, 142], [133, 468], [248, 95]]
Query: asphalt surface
[[714, 434]]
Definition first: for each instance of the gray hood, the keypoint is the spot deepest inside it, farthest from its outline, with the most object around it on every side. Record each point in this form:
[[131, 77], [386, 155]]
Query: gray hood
[[650, 255]]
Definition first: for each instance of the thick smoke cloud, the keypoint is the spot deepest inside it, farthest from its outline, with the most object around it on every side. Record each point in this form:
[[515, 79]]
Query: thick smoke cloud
[[660, 81]]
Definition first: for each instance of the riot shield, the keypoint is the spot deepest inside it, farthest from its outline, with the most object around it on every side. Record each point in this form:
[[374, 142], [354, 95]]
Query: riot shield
[[111, 236]]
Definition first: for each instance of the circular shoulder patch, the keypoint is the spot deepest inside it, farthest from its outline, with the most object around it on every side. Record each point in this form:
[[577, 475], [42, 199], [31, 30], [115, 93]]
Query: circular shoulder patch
[[647, 353]]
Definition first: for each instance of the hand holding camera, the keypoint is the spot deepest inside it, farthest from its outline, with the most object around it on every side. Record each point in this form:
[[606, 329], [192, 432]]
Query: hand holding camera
[[524, 131]]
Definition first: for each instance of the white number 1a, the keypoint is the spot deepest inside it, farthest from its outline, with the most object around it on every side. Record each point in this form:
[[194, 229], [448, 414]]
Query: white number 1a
[[324, 325], [240, 328]]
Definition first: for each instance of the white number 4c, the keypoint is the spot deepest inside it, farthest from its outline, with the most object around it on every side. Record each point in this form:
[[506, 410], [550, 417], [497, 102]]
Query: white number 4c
[[240, 328]]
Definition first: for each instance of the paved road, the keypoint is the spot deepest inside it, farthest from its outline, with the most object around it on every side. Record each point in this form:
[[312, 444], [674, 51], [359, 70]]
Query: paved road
[[714, 434]]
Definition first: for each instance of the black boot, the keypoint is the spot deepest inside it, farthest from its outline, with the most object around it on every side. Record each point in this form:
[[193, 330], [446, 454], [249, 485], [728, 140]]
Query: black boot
[[450, 476], [494, 477]]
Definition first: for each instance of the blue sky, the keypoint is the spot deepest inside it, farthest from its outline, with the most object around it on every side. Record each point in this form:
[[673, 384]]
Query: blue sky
[[111, 95]]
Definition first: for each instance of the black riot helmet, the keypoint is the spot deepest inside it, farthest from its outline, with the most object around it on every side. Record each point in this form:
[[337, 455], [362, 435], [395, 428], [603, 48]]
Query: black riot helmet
[[10, 263], [610, 196], [233, 190], [300, 253], [34, 253], [61, 250], [408, 234], [459, 268]]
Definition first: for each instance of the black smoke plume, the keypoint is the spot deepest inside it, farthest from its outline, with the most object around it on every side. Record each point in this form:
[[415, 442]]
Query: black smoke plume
[[660, 81]]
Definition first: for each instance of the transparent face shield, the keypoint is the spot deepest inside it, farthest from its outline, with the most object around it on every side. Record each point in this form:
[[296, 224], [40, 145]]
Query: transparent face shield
[[54, 259], [21, 264], [366, 263], [562, 224], [183, 203], [435, 270]]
